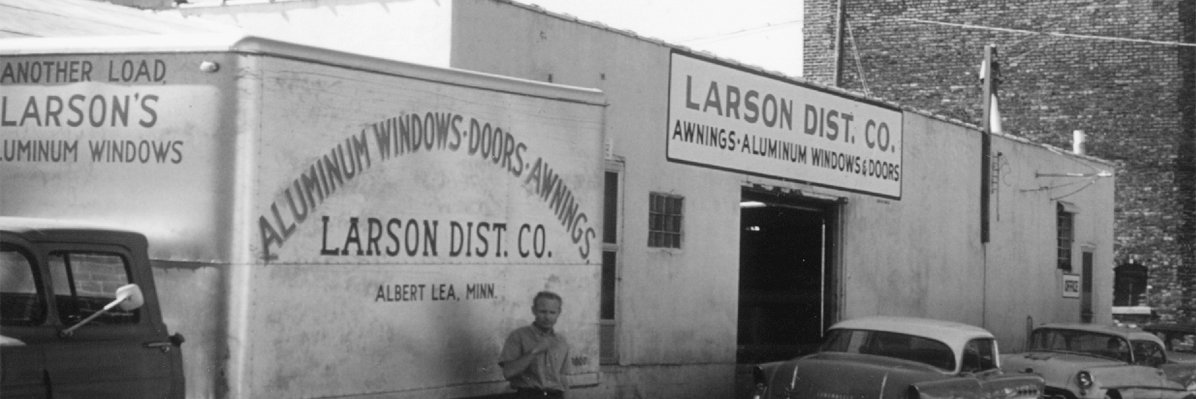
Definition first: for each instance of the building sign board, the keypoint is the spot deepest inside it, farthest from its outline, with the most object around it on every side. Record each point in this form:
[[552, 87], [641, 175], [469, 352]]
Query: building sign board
[[1071, 286], [734, 119]]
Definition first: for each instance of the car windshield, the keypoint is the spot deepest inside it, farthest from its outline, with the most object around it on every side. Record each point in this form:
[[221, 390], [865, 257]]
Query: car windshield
[[889, 344], [1081, 342]]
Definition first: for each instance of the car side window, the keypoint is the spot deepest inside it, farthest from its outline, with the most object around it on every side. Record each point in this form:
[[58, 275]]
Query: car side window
[[979, 355], [84, 282], [1148, 353], [21, 299]]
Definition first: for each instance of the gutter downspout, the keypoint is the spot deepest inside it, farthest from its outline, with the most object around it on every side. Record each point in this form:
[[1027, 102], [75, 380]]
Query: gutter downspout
[[841, 18]]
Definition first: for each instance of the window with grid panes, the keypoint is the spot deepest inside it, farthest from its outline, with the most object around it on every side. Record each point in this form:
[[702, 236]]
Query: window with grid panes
[[664, 220], [1064, 227], [608, 349]]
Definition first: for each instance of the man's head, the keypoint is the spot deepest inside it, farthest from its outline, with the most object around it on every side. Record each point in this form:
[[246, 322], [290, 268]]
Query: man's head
[[546, 306]]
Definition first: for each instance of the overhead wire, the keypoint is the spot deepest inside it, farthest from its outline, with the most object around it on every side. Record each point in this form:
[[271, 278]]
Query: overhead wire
[[729, 35], [1058, 34], [855, 50]]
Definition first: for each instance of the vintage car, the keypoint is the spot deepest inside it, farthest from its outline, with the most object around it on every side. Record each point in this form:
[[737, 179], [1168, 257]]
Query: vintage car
[[1179, 339], [897, 357], [1096, 361]]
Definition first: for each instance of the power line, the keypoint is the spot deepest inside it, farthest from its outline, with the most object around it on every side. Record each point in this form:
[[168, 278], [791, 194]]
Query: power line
[[724, 36], [1058, 34], [856, 51]]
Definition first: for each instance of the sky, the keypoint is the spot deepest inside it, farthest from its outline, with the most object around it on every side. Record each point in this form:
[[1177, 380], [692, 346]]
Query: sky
[[763, 33]]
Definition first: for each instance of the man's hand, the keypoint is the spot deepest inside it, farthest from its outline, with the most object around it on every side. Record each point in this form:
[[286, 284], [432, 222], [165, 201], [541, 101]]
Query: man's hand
[[543, 346]]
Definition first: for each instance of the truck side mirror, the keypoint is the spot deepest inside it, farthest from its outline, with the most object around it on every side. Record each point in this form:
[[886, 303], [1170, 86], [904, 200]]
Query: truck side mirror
[[128, 297]]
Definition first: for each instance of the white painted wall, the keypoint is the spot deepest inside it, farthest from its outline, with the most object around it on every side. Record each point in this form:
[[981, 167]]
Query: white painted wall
[[917, 256]]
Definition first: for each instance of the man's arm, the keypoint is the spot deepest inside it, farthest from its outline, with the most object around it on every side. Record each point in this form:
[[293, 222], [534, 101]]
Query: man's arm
[[566, 368], [512, 368]]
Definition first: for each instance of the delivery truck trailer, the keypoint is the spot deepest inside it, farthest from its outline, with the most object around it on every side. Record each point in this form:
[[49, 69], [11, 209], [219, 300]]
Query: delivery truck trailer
[[319, 224]]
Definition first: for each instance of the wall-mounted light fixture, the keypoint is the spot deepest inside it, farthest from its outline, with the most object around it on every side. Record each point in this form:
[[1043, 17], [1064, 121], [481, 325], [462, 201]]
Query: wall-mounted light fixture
[[752, 204]]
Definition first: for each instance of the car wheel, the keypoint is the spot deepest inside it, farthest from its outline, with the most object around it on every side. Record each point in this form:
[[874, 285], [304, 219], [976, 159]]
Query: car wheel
[[1111, 394]]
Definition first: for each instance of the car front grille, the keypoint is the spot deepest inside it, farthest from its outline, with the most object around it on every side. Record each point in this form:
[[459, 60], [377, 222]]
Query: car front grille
[[833, 395]]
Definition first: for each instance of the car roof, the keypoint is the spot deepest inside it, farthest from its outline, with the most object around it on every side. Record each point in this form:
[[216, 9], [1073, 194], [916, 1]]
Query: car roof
[[952, 333], [39, 229], [1124, 332]]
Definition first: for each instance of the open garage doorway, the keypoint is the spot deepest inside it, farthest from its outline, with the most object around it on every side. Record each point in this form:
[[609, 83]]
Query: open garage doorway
[[786, 279]]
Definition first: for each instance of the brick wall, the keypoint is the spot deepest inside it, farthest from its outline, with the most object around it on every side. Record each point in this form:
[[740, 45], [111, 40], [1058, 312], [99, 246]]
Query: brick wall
[[1134, 97]]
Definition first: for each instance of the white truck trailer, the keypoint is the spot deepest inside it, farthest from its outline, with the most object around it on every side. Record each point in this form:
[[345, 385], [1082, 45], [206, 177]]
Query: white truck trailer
[[320, 224]]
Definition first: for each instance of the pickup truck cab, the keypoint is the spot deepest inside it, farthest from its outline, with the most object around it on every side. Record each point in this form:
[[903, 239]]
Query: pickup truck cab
[[79, 315]]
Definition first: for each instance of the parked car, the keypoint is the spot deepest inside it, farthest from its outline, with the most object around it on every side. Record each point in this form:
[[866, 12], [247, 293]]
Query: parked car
[[897, 357], [1179, 339], [1095, 361]]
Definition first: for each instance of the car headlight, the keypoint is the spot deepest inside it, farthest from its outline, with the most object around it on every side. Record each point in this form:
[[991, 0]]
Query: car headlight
[[1084, 379]]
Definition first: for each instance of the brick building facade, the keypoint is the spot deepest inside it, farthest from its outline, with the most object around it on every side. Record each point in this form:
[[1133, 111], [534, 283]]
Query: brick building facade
[[1122, 71]]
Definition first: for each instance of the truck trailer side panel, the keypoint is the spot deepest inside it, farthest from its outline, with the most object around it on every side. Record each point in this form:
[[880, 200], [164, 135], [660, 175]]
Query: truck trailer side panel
[[323, 224]]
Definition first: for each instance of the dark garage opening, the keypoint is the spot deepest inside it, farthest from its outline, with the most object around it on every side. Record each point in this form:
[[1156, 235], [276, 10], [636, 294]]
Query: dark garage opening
[[785, 291]]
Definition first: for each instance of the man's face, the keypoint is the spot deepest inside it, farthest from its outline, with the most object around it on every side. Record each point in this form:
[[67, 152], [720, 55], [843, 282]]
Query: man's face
[[546, 311]]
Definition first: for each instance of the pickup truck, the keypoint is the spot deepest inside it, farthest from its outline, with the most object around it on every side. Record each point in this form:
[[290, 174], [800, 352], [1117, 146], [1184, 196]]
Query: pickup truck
[[80, 315]]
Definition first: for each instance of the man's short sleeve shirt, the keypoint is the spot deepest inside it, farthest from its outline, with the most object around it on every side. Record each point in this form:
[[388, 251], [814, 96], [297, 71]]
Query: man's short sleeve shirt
[[547, 371]]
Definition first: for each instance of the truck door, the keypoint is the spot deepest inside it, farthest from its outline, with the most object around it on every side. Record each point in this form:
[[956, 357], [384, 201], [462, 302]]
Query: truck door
[[23, 325], [120, 354]]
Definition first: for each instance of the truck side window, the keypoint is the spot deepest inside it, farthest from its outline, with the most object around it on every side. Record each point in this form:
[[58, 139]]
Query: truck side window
[[86, 281], [20, 302]]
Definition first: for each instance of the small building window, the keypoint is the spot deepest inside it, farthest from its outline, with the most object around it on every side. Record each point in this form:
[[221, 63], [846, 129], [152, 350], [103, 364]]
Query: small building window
[[1065, 232], [1129, 285], [664, 220]]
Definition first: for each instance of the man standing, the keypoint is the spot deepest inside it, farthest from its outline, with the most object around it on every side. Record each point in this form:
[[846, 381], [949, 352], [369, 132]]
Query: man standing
[[535, 358]]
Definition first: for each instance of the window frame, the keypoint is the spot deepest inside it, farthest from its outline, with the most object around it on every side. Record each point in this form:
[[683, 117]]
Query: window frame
[[1065, 235], [73, 298], [41, 310], [985, 359], [667, 232], [608, 327]]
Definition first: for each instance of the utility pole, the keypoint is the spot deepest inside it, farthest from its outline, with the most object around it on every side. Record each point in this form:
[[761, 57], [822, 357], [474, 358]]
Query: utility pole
[[989, 78]]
